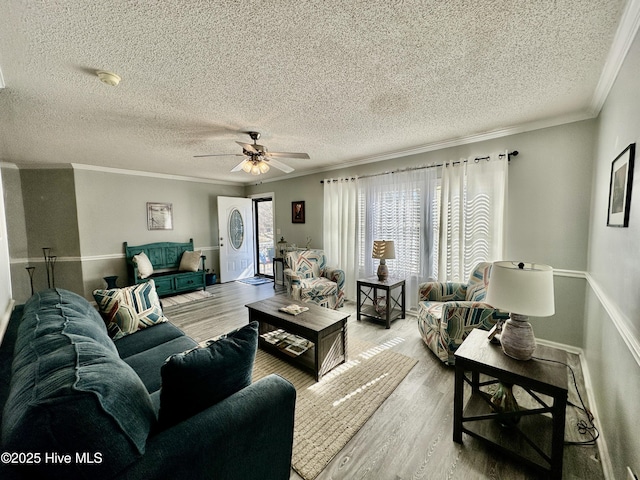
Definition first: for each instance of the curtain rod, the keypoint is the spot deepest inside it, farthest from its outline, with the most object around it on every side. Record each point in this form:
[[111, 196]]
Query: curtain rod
[[409, 169]]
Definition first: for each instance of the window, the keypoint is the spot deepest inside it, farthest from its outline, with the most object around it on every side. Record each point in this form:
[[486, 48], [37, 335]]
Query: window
[[399, 207]]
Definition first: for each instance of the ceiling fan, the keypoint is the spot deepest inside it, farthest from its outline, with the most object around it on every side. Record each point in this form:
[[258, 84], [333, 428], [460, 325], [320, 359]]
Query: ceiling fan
[[257, 158]]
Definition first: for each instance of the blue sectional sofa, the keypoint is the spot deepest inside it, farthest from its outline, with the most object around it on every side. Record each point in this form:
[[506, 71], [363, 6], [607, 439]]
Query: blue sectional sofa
[[77, 404]]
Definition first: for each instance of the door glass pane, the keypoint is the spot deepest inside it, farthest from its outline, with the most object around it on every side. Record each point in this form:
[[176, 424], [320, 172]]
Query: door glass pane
[[264, 236], [236, 229]]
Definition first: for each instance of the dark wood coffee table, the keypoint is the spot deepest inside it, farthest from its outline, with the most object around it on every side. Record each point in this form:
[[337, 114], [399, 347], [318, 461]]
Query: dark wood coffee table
[[325, 328]]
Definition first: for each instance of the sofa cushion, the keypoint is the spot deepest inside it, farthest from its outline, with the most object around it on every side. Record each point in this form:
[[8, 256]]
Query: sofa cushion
[[147, 364], [147, 338], [198, 378], [126, 310], [190, 261], [145, 267], [70, 386]]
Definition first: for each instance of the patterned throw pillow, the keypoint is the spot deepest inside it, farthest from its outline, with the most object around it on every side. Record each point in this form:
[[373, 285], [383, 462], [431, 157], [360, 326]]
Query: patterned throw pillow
[[145, 267], [190, 261], [127, 310]]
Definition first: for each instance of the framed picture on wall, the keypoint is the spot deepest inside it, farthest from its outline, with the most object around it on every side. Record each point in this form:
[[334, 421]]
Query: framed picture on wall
[[297, 212], [159, 216], [620, 185]]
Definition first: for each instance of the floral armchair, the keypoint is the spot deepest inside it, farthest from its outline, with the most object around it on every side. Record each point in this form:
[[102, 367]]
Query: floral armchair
[[447, 312], [309, 279]]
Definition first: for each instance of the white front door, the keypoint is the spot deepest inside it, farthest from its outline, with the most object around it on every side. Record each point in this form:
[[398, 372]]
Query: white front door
[[235, 224]]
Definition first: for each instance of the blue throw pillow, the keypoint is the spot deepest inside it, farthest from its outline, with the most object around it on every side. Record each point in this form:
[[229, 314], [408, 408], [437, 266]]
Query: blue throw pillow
[[196, 379]]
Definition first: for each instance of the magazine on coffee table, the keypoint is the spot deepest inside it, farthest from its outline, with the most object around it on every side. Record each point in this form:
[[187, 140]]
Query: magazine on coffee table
[[289, 343], [294, 309]]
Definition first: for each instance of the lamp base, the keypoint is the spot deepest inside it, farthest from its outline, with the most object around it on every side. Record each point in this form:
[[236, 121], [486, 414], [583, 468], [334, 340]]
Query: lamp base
[[517, 337], [383, 271]]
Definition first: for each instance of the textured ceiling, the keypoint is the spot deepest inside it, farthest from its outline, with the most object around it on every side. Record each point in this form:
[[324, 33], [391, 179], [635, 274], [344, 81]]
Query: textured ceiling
[[345, 81]]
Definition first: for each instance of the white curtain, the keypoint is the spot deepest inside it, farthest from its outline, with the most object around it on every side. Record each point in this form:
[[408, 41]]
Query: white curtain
[[472, 215], [340, 229], [398, 207]]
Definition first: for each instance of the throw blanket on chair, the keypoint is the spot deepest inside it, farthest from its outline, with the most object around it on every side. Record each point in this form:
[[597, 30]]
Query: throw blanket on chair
[[309, 279]]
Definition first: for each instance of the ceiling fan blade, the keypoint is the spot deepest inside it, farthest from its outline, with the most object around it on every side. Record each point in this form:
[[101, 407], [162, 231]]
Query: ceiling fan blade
[[279, 165], [220, 155], [287, 155], [248, 147], [238, 167]]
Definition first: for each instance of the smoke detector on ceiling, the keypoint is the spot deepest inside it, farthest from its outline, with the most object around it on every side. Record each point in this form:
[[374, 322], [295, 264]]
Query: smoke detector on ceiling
[[109, 78]]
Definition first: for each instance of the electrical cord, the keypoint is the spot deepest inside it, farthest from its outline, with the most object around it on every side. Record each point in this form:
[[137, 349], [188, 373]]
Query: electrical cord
[[584, 427]]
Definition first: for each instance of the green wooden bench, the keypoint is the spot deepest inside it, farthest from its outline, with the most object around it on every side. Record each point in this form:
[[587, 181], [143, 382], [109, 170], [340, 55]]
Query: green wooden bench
[[165, 258]]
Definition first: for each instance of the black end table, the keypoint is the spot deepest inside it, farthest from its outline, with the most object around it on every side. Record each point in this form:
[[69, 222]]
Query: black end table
[[538, 437], [386, 307]]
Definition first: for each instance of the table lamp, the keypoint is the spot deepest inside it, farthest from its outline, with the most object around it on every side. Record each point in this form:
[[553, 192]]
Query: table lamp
[[522, 289], [383, 250]]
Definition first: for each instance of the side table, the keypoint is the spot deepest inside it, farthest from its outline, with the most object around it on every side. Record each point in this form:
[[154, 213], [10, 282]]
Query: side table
[[275, 262], [386, 307], [537, 438]]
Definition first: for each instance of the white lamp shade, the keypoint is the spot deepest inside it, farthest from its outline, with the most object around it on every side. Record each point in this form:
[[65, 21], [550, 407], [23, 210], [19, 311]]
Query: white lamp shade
[[383, 249], [525, 291]]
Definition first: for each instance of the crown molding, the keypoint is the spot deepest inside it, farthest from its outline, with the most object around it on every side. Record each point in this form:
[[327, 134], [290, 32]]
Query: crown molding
[[139, 173], [43, 166], [9, 165], [441, 145], [624, 37]]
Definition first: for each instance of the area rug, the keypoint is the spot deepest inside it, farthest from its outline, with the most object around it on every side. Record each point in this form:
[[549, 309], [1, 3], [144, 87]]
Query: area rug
[[185, 298], [330, 412], [255, 281]]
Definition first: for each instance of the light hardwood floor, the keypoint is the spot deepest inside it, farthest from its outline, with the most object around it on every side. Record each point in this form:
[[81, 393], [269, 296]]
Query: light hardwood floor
[[410, 435]]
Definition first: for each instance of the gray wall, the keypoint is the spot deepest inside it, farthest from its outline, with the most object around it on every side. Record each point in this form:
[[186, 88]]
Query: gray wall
[[49, 211], [548, 209], [612, 343], [112, 210], [84, 215]]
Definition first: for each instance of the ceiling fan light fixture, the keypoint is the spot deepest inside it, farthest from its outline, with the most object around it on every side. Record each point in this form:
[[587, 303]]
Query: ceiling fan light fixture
[[257, 160], [246, 166]]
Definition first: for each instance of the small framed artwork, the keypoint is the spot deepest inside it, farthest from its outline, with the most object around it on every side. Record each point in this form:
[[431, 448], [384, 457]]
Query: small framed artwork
[[297, 212], [159, 216], [620, 185]]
